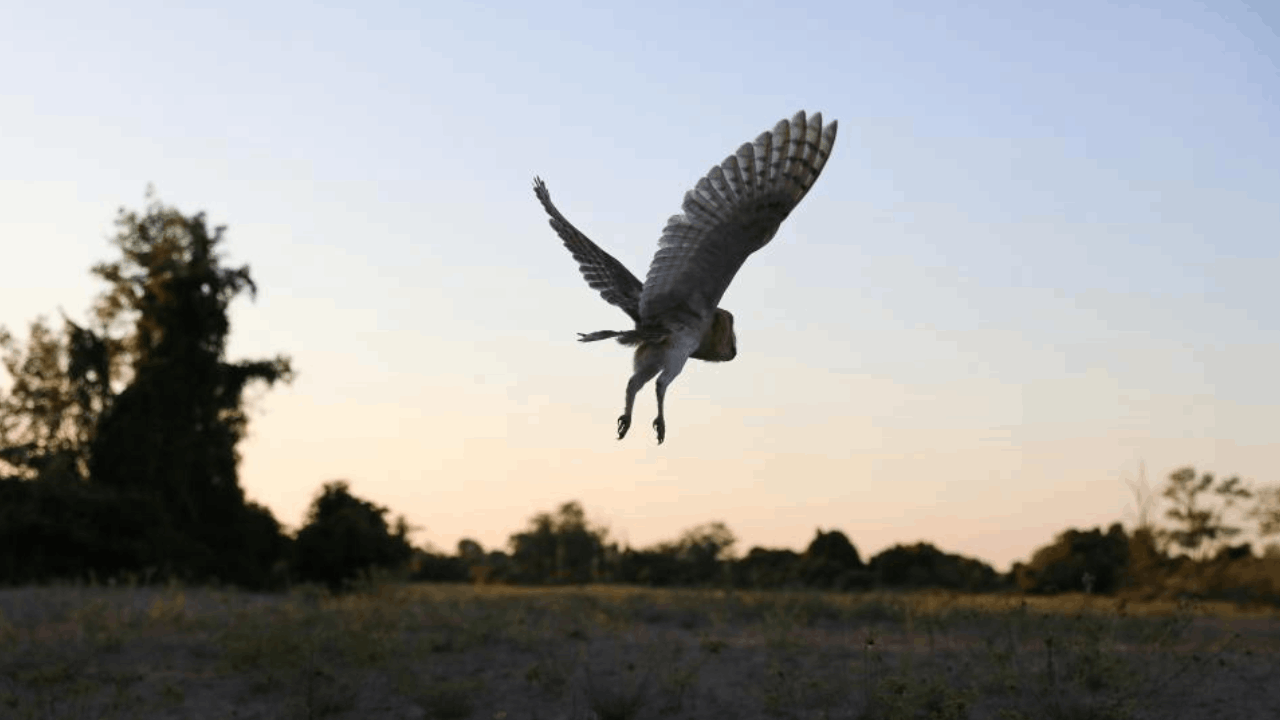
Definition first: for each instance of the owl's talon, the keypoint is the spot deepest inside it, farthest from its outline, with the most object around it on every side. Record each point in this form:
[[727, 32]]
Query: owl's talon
[[624, 424], [661, 426]]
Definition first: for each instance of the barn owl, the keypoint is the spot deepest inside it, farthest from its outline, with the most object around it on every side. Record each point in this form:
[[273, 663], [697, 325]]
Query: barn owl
[[732, 212]]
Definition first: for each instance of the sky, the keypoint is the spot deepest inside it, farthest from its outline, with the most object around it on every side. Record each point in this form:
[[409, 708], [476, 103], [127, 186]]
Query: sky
[[1042, 257]]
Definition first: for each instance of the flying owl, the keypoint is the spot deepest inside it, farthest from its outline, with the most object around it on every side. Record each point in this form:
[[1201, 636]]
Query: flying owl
[[732, 212]]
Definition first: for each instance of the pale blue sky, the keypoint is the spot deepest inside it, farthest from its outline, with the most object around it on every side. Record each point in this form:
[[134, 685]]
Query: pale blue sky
[[1044, 249]]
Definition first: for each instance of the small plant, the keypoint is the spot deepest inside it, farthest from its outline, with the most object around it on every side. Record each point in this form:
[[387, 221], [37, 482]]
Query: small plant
[[450, 699], [903, 697], [712, 645], [551, 672], [622, 698], [678, 680]]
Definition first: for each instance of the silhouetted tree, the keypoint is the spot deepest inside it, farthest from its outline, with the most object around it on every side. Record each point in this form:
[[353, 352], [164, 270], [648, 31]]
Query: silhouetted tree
[[146, 407], [700, 552], [1266, 510], [480, 567], [60, 388], [1200, 522], [172, 432], [345, 536], [831, 561], [470, 550], [559, 548]]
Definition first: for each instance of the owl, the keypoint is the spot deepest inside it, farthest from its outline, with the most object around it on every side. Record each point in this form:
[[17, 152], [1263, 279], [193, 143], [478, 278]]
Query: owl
[[732, 212]]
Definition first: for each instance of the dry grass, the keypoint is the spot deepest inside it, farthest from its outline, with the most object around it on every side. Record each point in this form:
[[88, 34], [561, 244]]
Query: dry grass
[[455, 652]]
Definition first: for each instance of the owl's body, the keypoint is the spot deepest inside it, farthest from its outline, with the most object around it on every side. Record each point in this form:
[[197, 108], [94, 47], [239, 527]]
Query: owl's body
[[732, 212]]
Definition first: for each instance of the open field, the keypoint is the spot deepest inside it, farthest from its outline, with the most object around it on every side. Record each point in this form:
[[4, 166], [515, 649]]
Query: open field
[[615, 653]]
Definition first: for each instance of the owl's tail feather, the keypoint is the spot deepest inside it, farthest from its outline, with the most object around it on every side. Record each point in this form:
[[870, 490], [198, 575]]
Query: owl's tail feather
[[625, 337]]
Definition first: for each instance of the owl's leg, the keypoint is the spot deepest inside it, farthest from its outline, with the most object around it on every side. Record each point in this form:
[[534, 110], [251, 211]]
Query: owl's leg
[[669, 373], [643, 374]]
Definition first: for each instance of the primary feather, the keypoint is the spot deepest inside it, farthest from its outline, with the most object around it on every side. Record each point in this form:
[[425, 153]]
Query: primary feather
[[732, 212], [603, 273]]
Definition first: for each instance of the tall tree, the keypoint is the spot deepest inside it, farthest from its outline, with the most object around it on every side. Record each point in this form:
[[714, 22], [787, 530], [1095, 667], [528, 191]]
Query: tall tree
[[146, 408], [1200, 522], [172, 431]]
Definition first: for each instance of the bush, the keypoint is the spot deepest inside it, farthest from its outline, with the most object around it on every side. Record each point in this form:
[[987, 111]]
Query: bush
[[923, 565], [765, 568], [1078, 560], [434, 567], [345, 537], [831, 561], [70, 529]]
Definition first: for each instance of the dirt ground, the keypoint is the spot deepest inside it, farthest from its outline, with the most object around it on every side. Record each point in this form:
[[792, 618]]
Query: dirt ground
[[618, 653]]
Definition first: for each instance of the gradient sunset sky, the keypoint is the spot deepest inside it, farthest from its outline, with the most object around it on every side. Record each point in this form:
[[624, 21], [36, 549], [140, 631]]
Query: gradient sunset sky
[[1046, 249]]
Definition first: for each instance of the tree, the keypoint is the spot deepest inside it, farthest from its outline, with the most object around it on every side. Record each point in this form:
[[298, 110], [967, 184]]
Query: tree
[[702, 549], [831, 561], [1266, 510], [345, 536], [1200, 523], [1091, 560], [559, 548], [146, 406], [172, 432], [60, 388]]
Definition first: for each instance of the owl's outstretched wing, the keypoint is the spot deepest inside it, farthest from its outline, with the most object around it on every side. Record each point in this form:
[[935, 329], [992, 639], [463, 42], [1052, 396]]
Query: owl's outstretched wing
[[602, 271], [734, 211]]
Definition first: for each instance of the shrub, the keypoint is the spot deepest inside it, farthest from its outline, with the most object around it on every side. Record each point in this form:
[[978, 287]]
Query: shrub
[[1078, 560], [345, 537]]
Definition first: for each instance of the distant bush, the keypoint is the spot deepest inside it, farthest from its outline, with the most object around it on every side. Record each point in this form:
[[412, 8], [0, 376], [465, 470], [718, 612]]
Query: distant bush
[[345, 537], [832, 562], [923, 565], [427, 566], [653, 567], [1234, 574], [765, 568], [1078, 560]]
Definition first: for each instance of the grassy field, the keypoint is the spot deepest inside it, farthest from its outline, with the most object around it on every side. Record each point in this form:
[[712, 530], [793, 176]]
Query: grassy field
[[616, 653]]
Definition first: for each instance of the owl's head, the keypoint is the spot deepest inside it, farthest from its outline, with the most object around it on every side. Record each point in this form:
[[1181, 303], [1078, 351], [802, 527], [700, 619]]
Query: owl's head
[[719, 343]]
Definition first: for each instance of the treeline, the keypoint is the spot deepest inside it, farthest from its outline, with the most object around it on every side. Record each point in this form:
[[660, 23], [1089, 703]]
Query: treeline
[[118, 461], [564, 548]]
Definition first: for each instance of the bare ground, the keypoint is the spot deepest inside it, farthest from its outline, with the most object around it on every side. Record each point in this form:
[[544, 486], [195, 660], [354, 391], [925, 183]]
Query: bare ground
[[618, 653]]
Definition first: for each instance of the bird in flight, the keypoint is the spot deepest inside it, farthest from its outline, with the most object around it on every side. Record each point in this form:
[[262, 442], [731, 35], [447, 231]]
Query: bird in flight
[[732, 212]]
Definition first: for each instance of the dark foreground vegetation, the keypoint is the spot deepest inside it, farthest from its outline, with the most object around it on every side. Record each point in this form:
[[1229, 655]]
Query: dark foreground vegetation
[[621, 653]]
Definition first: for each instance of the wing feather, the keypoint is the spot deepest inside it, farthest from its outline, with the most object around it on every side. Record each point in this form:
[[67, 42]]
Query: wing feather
[[730, 213], [601, 270]]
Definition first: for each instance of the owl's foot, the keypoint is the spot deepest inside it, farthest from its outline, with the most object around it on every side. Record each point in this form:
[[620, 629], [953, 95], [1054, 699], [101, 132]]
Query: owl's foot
[[624, 424], [661, 426]]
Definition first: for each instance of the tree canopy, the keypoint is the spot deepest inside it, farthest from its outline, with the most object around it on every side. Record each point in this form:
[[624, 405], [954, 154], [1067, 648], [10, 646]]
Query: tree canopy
[[145, 402]]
